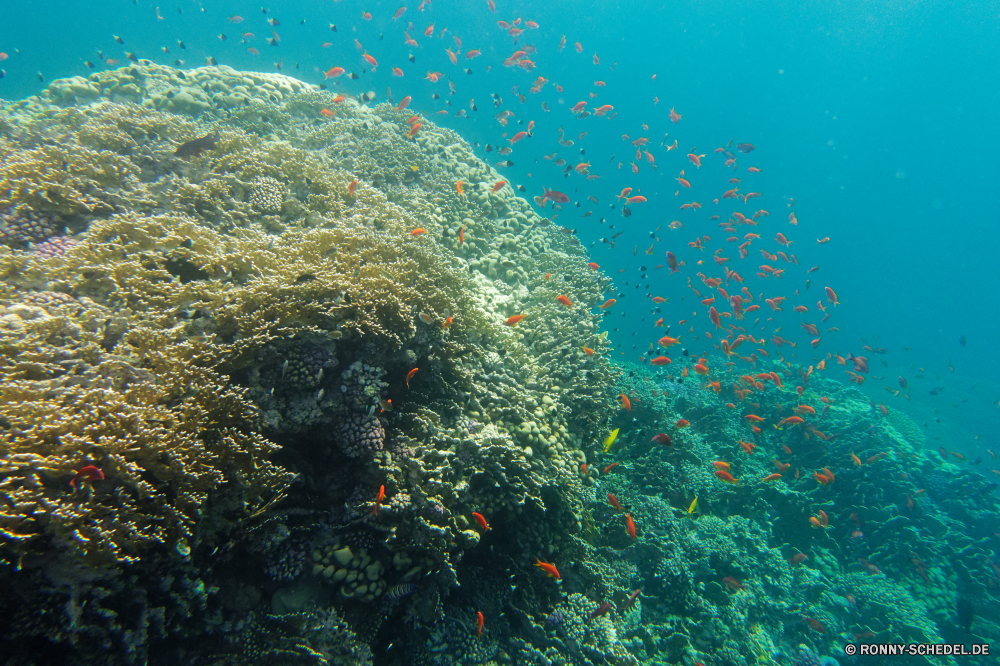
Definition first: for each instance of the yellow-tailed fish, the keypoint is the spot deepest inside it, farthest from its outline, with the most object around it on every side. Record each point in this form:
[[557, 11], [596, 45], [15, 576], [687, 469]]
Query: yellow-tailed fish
[[610, 441]]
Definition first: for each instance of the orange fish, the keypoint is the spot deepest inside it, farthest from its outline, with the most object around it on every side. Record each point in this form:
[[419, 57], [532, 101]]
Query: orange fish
[[458, 188], [682, 423], [461, 236], [771, 477], [333, 72], [413, 130], [725, 476], [661, 438], [549, 569], [499, 184], [418, 231], [667, 341], [749, 447], [326, 113], [607, 304], [831, 296], [514, 321], [630, 525], [479, 620], [481, 521], [635, 199], [659, 360], [609, 468], [565, 301], [626, 403], [588, 351], [371, 61], [378, 499], [409, 376], [353, 186], [718, 464], [674, 116]]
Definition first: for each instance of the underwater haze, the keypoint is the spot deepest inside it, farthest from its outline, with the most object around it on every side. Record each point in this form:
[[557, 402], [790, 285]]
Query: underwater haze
[[394, 306]]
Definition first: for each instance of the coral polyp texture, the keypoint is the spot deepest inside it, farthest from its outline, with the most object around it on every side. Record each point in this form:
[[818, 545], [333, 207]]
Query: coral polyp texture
[[260, 401]]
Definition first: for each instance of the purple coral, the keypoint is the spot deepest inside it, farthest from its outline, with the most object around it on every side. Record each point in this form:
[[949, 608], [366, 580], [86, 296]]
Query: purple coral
[[54, 247], [360, 435], [20, 225]]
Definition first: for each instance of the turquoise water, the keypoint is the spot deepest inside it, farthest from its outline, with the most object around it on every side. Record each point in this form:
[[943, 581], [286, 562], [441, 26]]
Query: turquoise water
[[872, 122]]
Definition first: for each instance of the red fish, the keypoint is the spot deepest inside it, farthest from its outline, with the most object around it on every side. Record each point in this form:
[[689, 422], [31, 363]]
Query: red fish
[[353, 186], [626, 403], [371, 61], [514, 321], [565, 301], [682, 423], [613, 501], [771, 477], [409, 376], [632, 598], [630, 525], [609, 468], [661, 438], [831, 296], [479, 623], [607, 304], [798, 558], [86, 475], [418, 231], [333, 72], [498, 185], [732, 583], [481, 521], [601, 610], [660, 360], [413, 130], [378, 500], [549, 569]]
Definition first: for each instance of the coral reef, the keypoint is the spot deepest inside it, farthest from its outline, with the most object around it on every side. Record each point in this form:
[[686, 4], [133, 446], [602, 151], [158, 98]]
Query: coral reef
[[249, 415]]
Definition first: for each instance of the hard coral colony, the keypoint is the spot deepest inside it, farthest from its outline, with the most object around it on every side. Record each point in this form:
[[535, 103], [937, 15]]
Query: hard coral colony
[[275, 388]]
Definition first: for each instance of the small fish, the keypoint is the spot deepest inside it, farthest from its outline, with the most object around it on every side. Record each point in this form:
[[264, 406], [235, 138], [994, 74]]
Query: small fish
[[378, 499], [726, 476], [610, 467], [400, 591], [626, 403], [481, 521], [86, 475], [693, 507], [409, 376], [351, 187], [419, 230], [732, 583], [610, 440], [514, 321], [549, 569], [479, 623], [426, 318], [196, 147], [613, 501], [630, 525], [565, 301], [603, 609], [662, 438]]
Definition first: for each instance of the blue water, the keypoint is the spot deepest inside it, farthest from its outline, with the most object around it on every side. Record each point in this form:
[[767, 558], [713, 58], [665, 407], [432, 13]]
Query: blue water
[[877, 117]]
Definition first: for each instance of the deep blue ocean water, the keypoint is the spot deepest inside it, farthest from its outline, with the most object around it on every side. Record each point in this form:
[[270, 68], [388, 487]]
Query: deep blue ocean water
[[878, 118]]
